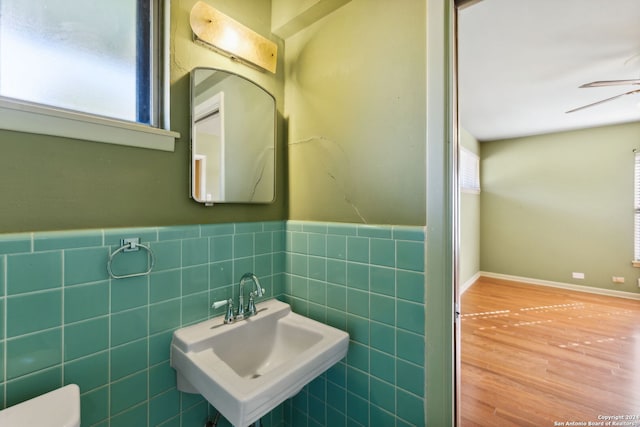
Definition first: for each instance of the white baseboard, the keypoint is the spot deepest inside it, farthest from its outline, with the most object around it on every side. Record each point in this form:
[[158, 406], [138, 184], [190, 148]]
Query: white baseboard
[[569, 286], [466, 285]]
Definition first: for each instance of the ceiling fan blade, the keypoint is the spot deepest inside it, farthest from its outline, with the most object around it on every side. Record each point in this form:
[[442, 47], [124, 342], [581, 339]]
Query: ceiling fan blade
[[631, 92], [602, 83]]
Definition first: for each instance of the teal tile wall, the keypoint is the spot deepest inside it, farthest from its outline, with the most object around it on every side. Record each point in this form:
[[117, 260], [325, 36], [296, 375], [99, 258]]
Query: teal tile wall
[[63, 320], [369, 281]]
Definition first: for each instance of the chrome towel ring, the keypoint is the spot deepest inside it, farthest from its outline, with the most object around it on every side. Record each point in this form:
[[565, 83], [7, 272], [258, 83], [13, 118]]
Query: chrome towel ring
[[129, 245]]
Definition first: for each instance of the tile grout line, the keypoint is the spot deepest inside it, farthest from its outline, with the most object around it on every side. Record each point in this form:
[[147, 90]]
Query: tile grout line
[[148, 278], [4, 331], [62, 317], [110, 315]]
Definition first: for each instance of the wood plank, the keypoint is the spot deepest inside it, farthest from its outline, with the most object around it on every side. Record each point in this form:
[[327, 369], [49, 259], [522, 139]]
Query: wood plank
[[534, 356]]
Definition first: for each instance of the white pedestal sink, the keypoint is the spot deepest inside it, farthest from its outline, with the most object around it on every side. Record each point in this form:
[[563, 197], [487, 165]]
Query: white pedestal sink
[[247, 368]]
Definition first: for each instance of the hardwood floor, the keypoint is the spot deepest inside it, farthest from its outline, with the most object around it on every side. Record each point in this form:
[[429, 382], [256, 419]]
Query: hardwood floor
[[540, 356]]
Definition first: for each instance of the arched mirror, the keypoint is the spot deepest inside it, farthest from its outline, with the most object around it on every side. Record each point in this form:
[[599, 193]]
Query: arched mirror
[[233, 135]]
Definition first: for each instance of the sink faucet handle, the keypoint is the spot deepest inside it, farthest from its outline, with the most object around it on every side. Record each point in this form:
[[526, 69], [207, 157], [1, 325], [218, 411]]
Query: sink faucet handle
[[219, 304], [228, 317], [251, 305]]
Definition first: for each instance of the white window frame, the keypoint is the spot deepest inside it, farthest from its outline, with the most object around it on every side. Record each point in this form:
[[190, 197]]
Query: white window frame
[[636, 215], [469, 171], [22, 116]]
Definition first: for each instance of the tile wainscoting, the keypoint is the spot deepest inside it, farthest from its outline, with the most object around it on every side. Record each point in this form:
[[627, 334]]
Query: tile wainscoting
[[63, 320], [369, 281]]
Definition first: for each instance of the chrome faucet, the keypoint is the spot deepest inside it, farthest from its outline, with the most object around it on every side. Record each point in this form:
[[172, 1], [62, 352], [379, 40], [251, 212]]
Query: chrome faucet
[[242, 313], [251, 306]]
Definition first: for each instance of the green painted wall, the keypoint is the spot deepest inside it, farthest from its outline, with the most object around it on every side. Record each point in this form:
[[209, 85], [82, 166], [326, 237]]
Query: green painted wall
[[469, 221], [51, 183], [355, 105], [561, 203]]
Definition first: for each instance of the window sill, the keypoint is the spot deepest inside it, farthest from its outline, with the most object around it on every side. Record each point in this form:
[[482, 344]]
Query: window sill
[[635, 263], [32, 118]]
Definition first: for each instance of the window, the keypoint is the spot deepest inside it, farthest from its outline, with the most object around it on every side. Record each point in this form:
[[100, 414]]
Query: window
[[469, 171], [636, 190], [93, 62]]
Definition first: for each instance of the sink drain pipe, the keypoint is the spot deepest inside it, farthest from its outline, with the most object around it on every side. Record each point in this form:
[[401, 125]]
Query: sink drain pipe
[[213, 422]]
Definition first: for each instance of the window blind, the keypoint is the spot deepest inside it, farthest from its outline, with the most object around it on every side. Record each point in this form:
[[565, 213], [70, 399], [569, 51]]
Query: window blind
[[469, 175]]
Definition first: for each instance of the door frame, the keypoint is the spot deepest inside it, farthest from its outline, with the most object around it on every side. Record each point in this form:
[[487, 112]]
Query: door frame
[[441, 355]]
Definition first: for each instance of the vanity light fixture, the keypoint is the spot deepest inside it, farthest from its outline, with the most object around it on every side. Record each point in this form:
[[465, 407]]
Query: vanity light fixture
[[227, 36]]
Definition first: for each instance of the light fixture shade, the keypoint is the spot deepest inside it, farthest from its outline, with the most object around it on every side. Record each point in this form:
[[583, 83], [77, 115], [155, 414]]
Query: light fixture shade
[[226, 35]]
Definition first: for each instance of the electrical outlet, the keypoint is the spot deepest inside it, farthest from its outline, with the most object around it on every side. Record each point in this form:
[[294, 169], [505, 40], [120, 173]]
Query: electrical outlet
[[617, 279], [577, 275]]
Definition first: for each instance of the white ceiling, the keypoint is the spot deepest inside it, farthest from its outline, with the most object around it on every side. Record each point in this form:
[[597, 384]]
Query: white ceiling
[[521, 62]]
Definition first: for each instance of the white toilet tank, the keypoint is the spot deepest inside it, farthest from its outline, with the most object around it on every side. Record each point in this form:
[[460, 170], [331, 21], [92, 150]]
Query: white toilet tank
[[58, 408]]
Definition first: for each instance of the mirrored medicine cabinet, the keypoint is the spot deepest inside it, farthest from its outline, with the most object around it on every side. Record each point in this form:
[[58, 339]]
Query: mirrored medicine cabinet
[[233, 133]]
